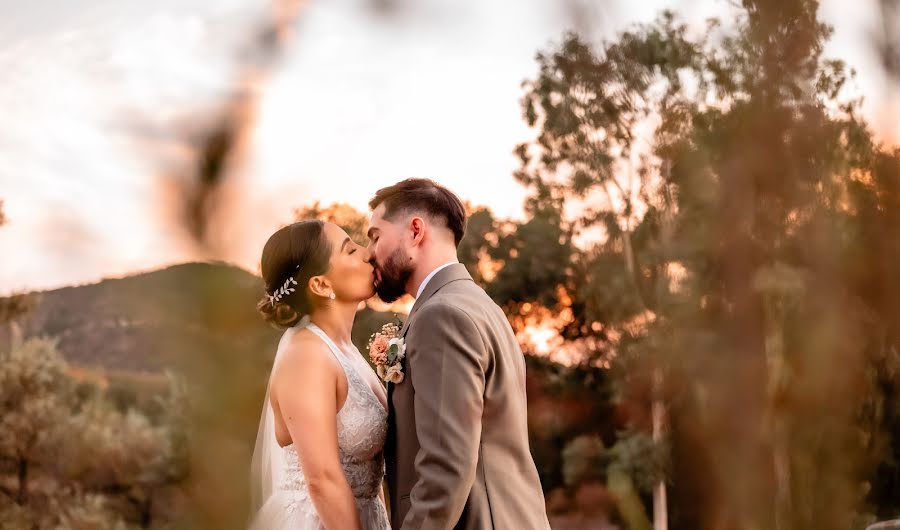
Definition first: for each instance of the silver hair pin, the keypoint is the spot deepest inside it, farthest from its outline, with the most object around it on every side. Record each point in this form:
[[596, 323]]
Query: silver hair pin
[[284, 290]]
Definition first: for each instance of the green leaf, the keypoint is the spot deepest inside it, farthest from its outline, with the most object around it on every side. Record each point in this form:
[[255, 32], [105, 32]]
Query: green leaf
[[392, 353]]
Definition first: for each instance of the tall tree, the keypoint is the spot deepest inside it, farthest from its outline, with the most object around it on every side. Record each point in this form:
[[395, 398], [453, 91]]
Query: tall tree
[[733, 183]]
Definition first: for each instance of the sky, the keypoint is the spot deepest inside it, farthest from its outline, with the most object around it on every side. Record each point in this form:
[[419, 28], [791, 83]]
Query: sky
[[97, 96]]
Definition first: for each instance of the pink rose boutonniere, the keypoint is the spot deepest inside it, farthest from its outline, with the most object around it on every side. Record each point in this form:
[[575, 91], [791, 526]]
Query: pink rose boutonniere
[[386, 349]]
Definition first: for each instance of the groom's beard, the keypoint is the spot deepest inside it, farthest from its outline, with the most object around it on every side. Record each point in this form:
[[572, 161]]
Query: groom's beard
[[394, 273]]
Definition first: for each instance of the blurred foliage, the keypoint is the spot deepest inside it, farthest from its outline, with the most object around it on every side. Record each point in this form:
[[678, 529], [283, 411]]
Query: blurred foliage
[[13, 516], [583, 459], [219, 138], [710, 208], [747, 224], [631, 469], [636, 455], [564, 403], [888, 42]]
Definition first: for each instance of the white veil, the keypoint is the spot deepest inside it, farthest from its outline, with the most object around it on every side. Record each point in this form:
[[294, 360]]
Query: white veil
[[268, 464]]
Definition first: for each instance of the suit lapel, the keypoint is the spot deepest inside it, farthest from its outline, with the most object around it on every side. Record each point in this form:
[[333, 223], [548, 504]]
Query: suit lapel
[[448, 274]]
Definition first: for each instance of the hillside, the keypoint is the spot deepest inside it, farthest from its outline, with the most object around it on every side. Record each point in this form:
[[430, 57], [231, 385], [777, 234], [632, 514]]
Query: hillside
[[147, 321], [150, 321]]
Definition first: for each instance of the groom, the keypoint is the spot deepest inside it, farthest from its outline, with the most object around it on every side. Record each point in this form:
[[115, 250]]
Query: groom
[[457, 452]]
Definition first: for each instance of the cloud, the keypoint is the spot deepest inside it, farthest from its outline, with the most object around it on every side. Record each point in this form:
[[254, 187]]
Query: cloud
[[100, 99]]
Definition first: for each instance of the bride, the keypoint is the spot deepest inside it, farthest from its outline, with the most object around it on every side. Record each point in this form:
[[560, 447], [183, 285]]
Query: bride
[[318, 460]]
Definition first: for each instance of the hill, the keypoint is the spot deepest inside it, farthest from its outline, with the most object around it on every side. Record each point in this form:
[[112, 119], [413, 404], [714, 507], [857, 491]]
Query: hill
[[147, 321]]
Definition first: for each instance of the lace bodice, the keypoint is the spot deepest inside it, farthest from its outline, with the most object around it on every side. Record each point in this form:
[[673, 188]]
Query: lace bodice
[[361, 430]]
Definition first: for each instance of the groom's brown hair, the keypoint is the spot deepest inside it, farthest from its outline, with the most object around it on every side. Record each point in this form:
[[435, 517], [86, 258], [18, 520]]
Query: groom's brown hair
[[423, 196]]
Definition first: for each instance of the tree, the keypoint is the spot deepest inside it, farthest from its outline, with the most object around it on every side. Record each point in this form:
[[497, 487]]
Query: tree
[[744, 212], [113, 452], [33, 396], [14, 306], [354, 222], [583, 459], [535, 258], [474, 249]]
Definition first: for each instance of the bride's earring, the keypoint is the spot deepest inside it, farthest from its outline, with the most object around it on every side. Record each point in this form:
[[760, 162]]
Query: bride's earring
[[331, 296]]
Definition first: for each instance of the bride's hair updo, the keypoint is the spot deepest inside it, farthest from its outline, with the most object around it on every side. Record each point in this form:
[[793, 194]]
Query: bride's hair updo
[[299, 251]]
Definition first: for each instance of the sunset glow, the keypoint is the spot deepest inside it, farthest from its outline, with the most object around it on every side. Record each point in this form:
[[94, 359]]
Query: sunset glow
[[89, 173]]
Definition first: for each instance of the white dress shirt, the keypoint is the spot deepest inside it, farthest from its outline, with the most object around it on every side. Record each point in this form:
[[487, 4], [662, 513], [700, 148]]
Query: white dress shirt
[[431, 275]]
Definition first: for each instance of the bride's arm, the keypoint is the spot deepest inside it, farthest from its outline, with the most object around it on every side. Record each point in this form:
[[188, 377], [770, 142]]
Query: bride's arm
[[308, 402]]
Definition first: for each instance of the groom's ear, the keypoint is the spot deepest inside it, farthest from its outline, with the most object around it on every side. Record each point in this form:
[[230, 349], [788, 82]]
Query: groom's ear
[[417, 227]]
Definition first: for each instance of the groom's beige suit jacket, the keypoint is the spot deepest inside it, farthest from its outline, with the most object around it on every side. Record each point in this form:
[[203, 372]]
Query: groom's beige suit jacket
[[457, 453]]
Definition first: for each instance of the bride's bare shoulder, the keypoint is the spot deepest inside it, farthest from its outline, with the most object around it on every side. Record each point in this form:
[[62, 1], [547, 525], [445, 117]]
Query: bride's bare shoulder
[[305, 376], [307, 351]]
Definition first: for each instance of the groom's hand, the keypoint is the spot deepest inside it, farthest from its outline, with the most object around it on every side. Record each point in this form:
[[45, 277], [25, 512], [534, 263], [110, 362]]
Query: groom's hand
[[448, 362]]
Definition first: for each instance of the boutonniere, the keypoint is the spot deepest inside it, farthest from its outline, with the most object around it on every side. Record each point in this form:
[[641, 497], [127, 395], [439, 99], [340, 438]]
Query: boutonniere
[[386, 349]]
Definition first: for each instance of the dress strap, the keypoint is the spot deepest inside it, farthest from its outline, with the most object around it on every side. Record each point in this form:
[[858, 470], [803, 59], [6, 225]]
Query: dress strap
[[330, 343]]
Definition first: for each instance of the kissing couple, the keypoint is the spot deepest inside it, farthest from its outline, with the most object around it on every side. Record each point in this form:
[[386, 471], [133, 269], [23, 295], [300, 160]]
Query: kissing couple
[[448, 433]]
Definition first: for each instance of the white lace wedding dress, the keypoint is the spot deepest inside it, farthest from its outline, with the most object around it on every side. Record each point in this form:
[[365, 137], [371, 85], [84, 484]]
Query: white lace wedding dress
[[281, 495]]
